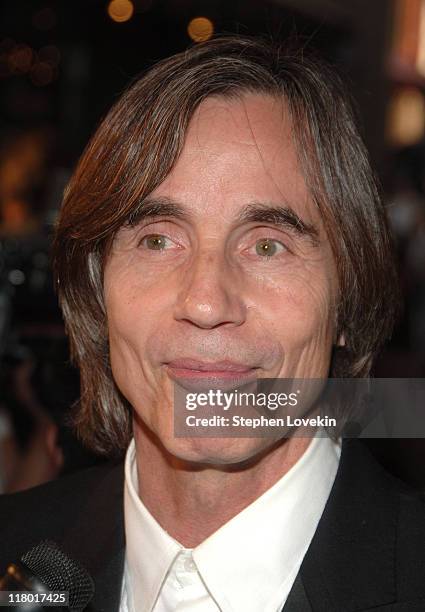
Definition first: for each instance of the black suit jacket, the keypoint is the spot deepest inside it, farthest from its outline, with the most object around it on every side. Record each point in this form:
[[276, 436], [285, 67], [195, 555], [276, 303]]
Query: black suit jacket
[[368, 553]]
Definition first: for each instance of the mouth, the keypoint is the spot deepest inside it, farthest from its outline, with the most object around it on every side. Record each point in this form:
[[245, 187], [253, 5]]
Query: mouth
[[189, 372]]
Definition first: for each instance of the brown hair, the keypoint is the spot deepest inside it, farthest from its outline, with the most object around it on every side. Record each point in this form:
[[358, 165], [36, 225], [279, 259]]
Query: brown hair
[[135, 148]]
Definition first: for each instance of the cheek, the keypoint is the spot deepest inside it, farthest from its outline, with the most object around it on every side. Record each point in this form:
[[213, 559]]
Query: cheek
[[133, 303], [136, 317], [126, 334], [299, 315], [132, 323], [298, 309]]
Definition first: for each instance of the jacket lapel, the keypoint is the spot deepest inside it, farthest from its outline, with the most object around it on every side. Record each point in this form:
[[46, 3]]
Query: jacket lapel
[[350, 564], [97, 540], [297, 599]]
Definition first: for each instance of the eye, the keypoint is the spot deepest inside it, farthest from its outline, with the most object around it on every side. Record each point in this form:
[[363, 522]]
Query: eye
[[267, 247], [155, 242]]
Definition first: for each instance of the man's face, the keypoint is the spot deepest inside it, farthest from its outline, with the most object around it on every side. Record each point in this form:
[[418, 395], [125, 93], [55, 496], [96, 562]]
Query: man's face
[[221, 278]]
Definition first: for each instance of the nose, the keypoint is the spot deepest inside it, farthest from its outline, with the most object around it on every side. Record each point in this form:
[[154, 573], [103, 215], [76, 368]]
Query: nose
[[210, 295]]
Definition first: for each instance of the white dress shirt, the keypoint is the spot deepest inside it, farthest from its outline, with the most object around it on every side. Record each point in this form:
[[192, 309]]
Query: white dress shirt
[[249, 564]]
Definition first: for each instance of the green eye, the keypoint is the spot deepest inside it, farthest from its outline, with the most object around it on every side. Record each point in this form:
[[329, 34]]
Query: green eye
[[267, 247], [155, 242]]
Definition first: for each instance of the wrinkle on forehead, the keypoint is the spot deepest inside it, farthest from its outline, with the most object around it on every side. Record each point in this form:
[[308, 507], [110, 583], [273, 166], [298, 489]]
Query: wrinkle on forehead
[[242, 128]]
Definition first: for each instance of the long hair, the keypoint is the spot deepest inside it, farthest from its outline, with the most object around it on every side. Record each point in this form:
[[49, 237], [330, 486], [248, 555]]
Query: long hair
[[135, 148]]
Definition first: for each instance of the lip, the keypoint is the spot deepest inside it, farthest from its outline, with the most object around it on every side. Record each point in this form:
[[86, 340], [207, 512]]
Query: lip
[[195, 365], [212, 373]]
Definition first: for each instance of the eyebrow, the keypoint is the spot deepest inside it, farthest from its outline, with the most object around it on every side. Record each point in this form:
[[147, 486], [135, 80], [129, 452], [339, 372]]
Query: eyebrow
[[157, 207], [282, 216]]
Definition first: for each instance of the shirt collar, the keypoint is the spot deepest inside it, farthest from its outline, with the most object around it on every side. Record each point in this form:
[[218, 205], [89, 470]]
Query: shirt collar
[[262, 546], [150, 550]]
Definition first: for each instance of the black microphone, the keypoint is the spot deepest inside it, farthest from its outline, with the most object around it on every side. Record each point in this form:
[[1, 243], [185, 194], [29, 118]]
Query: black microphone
[[43, 570]]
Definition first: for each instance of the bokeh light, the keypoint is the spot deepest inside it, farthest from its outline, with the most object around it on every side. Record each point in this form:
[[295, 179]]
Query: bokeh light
[[200, 29], [406, 117], [20, 58], [42, 74], [120, 10], [44, 19]]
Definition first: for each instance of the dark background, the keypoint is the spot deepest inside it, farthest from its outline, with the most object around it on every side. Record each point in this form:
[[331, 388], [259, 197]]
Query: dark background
[[63, 63]]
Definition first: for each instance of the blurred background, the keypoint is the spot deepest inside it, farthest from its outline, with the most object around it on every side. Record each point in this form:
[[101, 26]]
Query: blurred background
[[62, 65]]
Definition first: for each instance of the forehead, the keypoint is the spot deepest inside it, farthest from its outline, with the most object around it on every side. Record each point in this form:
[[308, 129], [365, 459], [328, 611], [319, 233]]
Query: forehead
[[247, 118], [239, 150]]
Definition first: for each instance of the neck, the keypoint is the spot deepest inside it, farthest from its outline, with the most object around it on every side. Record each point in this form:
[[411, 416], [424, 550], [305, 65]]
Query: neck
[[191, 500]]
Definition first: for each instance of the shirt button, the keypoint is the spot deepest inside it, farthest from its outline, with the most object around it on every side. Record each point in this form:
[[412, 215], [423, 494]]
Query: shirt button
[[189, 565]]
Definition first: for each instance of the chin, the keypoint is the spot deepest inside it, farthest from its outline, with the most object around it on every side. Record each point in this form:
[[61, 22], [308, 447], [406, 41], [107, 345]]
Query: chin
[[218, 451]]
